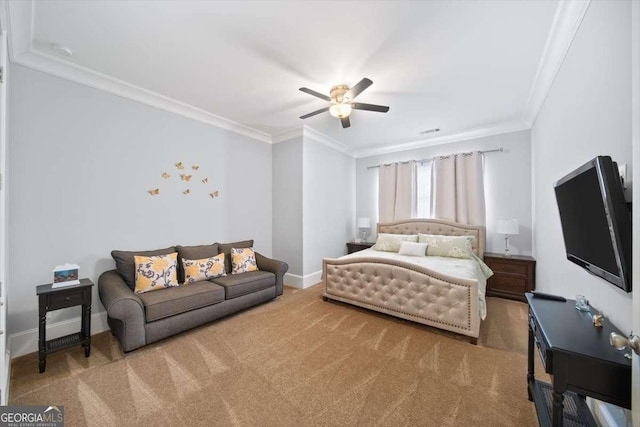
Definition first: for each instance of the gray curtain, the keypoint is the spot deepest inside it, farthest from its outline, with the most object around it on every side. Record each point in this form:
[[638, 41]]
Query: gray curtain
[[458, 188], [397, 189]]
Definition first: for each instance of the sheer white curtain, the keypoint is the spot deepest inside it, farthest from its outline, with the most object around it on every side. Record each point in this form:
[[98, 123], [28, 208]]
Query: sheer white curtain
[[423, 202], [397, 191], [458, 188]]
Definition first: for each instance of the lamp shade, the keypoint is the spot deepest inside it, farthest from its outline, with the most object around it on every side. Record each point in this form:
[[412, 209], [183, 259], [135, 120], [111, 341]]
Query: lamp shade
[[364, 223], [508, 226]]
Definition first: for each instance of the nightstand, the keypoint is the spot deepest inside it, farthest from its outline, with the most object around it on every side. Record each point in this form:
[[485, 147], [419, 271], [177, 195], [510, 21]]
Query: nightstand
[[50, 299], [512, 276], [355, 247]]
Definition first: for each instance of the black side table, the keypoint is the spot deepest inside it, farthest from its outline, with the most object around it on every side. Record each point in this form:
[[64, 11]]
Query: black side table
[[50, 299]]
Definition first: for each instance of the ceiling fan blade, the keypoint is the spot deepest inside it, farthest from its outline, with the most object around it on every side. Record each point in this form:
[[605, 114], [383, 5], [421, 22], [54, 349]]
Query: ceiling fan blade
[[370, 107], [357, 89], [345, 122], [322, 110], [314, 93]]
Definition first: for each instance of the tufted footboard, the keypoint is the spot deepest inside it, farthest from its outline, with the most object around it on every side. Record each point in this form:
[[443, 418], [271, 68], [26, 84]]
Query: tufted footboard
[[405, 290]]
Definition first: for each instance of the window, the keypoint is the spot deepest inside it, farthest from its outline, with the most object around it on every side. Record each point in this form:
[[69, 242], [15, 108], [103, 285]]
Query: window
[[423, 199]]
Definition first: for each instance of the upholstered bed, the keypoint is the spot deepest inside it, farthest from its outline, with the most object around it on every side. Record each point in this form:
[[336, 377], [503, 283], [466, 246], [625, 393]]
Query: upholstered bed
[[422, 292]]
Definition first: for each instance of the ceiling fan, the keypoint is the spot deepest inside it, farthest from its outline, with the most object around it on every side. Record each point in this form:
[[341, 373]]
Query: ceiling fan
[[341, 96]]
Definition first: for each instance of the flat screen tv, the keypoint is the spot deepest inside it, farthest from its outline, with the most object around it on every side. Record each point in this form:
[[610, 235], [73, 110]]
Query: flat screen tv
[[596, 221]]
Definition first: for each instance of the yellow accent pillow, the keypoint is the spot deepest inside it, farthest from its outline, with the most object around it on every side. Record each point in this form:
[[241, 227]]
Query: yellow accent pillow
[[155, 272], [203, 269], [243, 260]]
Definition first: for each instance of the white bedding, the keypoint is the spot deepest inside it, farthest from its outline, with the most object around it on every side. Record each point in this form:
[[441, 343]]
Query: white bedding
[[474, 269]]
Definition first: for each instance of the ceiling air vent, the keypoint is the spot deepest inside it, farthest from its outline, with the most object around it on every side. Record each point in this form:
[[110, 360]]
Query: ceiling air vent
[[428, 131]]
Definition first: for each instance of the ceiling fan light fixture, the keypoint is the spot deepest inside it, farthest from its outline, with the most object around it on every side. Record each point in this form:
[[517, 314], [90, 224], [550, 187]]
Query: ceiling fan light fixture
[[340, 110]]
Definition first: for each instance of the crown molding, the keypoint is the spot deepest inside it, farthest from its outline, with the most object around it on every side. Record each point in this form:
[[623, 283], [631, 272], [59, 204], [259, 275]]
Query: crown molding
[[287, 135], [87, 77], [566, 22], [19, 16], [3, 17], [502, 128], [315, 136], [23, 52]]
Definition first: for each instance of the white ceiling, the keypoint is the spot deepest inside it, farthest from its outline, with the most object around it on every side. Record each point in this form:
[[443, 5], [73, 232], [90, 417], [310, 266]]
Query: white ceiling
[[453, 65]]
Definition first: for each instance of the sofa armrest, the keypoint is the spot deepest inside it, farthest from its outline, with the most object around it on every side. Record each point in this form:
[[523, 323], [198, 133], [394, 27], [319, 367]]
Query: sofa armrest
[[123, 305], [274, 266]]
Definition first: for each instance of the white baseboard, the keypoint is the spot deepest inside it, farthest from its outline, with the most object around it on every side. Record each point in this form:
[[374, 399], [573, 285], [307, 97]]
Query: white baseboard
[[302, 282], [608, 415], [26, 342]]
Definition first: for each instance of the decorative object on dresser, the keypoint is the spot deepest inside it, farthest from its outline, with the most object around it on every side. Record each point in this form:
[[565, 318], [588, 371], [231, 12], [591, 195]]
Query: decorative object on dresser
[[357, 246], [507, 227], [51, 298], [364, 224], [512, 275]]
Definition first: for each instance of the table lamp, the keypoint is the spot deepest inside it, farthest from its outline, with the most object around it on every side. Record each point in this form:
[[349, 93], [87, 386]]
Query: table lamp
[[507, 227], [364, 224]]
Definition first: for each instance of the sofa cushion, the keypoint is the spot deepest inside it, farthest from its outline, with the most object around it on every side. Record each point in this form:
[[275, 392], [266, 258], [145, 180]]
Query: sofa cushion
[[225, 248], [155, 272], [126, 265], [194, 252], [171, 301], [237, 285]]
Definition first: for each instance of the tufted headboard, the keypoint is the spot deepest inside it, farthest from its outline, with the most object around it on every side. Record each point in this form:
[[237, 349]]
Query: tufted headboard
[[437, 227]]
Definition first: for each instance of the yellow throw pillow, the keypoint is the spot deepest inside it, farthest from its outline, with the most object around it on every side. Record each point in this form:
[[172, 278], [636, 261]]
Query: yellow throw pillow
[[243, 260], [155, 272], [196, 270]]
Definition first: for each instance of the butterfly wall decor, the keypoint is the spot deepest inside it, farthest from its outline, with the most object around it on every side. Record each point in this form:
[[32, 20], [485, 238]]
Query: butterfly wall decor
[[186, 178]]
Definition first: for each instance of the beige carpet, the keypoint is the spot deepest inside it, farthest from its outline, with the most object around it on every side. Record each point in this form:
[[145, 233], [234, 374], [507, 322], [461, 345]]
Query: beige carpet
[[296, 361]]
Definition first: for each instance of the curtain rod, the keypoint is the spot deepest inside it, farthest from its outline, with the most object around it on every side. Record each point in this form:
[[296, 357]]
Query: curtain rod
[[495, 150]]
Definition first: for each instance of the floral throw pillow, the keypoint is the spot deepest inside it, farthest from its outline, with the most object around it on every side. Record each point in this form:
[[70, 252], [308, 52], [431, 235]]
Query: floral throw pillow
[[155, 272], [243, 260], [449, 246], [391, 242], [196, 270]]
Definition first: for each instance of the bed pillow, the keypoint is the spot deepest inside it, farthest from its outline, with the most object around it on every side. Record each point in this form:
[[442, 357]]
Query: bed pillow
[[449, 246], [391, 242], [413, 249]]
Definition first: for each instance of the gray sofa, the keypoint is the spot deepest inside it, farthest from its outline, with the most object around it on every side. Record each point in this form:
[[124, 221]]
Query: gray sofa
[[140, 319]]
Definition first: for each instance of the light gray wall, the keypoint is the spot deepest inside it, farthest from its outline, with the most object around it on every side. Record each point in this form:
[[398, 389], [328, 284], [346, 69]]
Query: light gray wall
[[587, 113], [329, 203], [287, 203], [507, 183], [81, 163]]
